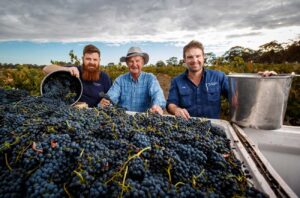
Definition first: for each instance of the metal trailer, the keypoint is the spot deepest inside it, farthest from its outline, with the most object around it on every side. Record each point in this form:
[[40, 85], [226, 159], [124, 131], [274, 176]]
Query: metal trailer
[[276, 153]]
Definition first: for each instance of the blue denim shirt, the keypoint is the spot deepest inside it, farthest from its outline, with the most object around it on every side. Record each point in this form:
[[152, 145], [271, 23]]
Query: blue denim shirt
[[137, 95], [203, 100]]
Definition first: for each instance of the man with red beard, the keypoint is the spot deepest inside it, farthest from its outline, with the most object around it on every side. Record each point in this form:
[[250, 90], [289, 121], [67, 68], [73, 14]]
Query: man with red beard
[[93, 80]]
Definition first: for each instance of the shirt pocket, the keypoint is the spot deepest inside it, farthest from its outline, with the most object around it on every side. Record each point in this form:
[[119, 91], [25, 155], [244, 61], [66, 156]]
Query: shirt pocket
[[213, 94], [141, 94], [185, 96]]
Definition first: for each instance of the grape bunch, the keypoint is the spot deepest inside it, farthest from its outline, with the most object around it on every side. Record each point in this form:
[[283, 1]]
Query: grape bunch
[[49, 149]]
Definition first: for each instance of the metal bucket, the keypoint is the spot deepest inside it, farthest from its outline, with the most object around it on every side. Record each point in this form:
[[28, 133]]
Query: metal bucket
[[70, 86], [258, 102]]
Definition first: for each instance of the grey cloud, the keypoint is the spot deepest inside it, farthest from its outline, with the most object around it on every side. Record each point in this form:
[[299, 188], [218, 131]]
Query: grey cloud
[[279, 15], [108, 20], [243, 35]]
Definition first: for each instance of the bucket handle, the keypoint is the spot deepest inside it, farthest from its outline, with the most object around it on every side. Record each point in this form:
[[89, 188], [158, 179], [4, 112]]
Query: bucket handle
[[293, 74]]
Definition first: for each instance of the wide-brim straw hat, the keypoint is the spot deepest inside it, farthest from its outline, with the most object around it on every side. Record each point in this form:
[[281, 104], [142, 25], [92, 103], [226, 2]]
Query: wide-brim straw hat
[[135, 51]]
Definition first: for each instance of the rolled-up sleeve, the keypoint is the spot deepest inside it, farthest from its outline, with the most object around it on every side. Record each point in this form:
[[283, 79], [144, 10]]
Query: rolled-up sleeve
[[156, 93], [114, 92], [173, 94]]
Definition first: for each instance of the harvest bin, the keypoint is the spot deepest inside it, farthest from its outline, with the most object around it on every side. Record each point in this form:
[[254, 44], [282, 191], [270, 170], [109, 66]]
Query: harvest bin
[[68, 88], [279, 152], [258, 102]]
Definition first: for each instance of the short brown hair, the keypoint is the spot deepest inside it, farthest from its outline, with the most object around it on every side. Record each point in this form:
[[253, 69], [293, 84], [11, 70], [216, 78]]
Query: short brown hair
[[91, 49], [193, 44]]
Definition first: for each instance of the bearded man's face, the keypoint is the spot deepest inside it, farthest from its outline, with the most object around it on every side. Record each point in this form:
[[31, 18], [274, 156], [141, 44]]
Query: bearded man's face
[[91, 63]]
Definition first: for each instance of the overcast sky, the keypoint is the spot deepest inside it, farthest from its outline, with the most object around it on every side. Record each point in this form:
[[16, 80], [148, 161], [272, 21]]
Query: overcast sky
[[166, 25]]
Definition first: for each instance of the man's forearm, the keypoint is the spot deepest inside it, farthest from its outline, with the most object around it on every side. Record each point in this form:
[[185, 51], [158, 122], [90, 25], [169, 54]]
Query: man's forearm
[[51, 68], [179, 112], [159, 100]]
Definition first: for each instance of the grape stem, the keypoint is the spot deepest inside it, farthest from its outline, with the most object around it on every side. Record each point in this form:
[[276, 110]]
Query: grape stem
[[119, 173], [79, 175], [194, 179], [169, 171], [6, 162], [123, 182], [66, 190]]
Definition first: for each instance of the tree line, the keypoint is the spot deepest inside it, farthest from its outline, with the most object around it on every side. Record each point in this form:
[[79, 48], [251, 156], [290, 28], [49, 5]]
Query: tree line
[[269, 53]]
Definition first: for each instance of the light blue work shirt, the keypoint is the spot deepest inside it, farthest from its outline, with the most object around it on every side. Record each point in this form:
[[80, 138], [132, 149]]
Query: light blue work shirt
[[137, 95]]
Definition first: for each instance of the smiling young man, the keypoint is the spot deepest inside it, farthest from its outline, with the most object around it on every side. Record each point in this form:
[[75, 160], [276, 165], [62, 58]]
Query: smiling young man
[[136, 90], [197, 92], [93, 80]]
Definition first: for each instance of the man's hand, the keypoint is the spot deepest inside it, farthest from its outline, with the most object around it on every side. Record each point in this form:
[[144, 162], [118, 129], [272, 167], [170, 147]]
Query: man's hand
[[73, 71], [267, 73], [179, 112], [81, 105], [234, 101], [104, 102], [156, 109]]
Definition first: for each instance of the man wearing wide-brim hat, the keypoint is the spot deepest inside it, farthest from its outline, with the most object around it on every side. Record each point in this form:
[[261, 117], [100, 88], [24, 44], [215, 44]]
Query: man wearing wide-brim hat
[[136, 90]]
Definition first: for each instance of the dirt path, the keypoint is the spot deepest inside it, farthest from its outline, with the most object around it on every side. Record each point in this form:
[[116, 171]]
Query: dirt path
[[165, 82]]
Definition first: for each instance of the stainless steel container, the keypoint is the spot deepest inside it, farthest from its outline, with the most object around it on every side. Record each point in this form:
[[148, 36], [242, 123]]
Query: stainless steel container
[[258, 102]]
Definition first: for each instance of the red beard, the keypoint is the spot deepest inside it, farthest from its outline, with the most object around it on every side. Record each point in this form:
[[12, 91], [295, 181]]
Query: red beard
[[90, 72]]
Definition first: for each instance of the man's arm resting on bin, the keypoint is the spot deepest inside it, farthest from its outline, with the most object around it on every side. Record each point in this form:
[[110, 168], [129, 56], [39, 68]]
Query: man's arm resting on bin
[[51, 68], [178, 112]]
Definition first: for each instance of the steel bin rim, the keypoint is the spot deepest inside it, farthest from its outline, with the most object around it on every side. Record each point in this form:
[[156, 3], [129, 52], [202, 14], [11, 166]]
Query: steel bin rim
[[251, 75]]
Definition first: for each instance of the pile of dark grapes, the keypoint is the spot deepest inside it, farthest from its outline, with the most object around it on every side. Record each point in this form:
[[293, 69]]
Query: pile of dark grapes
[[12, 95], [49, 149]]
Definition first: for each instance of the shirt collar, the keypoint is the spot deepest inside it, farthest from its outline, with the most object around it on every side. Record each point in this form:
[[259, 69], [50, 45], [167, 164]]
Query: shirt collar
[[203, 73], [140, 76]]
